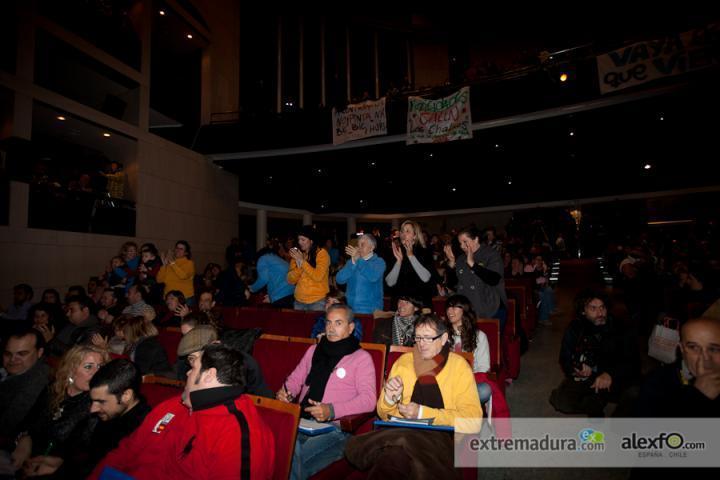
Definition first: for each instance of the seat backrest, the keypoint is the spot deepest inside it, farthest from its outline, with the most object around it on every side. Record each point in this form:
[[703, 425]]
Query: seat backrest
[[438, 304], [511, 324], [278, 356], [282, 418], [170, 339], [157, 389], [377, 352], [368, 325], [396, 351], [491, 328], [291, 323]]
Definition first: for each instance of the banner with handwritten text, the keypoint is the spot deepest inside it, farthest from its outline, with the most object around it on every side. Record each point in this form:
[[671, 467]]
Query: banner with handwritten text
[[438, 121], [672, 55], [359, 120]]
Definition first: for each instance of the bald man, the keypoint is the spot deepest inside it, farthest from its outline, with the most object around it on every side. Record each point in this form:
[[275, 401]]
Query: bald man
[[690, 388]]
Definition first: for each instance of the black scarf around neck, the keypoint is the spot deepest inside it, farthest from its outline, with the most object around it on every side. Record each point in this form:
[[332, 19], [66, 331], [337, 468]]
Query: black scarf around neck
[[326, 356]]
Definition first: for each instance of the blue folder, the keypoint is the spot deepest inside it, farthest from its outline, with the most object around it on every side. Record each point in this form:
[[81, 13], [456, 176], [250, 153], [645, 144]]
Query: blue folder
[[439, 428]]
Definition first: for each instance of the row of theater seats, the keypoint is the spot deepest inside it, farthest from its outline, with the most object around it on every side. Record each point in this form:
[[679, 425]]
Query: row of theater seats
[[277, 356]]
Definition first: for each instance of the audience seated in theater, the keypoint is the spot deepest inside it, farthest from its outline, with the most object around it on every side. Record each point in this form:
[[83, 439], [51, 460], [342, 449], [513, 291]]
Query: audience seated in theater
[[65, 427], [210, 277], [411, 275], [363, 276], [80, 329], [137, 297], [95, 289], [117, 404], [176, 309], [143, 347], [517, 266], [206, 304], [16, 314], [272, 273], [77, 291], [334, 379], [204, 437], [111, 305], [193, 319], [113, 338], [51, 296], [480, 272], [597, 357], [691, 386], [233, 290], [193, 342], [429, 382], [309, 270], [334, 297], [110, 277], [148, 269], [178, 271], [397, 328], [23, 381], [466, 337], [43, 318]]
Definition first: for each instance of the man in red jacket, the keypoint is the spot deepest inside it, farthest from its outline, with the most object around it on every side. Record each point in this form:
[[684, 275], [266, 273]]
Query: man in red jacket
[[214, 432]]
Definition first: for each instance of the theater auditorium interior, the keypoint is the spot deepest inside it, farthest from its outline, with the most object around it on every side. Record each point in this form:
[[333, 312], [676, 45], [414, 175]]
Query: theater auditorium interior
[[162, 161]]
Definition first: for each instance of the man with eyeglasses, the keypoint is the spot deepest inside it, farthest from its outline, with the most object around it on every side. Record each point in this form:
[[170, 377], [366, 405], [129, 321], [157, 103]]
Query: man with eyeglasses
[[430, 382]]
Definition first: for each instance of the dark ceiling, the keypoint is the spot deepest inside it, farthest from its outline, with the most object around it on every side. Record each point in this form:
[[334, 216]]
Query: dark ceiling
[[593, 153]]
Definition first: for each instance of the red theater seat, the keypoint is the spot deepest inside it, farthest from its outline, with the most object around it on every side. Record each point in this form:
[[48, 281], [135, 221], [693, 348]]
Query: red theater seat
[[282, 418]]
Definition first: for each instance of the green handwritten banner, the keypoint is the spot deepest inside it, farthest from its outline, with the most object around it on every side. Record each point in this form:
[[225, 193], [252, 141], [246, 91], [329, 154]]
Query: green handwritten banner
[[437, 121], [672, 55]]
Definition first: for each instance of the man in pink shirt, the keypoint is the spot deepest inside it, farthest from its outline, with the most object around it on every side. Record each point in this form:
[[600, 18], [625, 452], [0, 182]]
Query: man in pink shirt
[[334, 379]]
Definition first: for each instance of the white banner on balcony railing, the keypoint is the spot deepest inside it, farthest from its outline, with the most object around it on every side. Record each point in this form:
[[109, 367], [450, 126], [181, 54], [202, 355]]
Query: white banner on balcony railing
[[442, 120], [359, 120], [645, 61]]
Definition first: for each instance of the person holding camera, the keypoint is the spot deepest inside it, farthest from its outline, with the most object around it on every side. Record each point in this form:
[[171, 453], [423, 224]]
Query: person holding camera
[[596, 357]]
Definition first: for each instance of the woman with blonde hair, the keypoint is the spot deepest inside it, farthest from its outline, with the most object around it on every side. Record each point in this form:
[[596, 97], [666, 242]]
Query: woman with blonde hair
[[67, 425], [143, 347], [411, 275]]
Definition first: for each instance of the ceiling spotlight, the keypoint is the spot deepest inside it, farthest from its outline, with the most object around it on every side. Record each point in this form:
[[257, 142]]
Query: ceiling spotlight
[[454, 189], [508, 180], [372, 163], [106, 134], [563, 77], [162, 12], [61, 118], [571, 132], [661, 117], [647, 166], [189, 36]]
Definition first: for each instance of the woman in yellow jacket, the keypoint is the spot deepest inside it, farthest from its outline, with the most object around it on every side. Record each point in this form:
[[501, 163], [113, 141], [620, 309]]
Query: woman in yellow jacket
[[309, 268], [178, 271], [429, 382]]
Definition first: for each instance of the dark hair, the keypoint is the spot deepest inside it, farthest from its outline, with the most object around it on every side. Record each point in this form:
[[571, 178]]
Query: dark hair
[[119, 375], [142, 289], [433, 321], [25, 288], [149, 247], [228, 362], [416, 303], [586, 296], [83, 300], [114, 292], [194, 319], [43, 307], [80, 289], [206, 290], [177, 294], [468, 331], [54, 292], [184, 243], [24, 332], [471, 231]]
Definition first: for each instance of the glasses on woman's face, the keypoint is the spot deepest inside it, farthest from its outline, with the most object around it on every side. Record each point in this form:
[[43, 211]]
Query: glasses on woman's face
[[426, 339]]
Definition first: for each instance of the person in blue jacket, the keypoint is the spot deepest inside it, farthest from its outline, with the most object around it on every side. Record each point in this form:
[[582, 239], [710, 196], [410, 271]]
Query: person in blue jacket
[[363, 275], [272, 272]]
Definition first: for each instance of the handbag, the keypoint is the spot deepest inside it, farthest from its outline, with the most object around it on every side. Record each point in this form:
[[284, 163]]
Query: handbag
[[663, 342]]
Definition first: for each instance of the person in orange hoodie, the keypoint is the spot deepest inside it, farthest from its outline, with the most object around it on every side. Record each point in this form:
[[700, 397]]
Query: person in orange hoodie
[[178, 271], [309, 268]]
